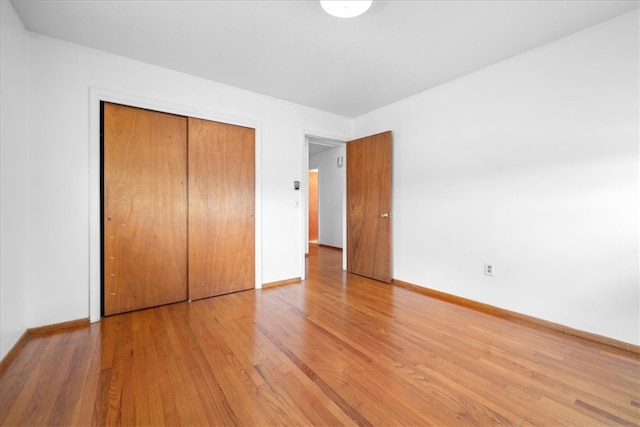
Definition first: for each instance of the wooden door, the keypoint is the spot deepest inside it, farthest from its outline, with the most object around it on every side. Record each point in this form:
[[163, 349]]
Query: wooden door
[[369, 206], [221, 208], [145, 208], [313, 206]]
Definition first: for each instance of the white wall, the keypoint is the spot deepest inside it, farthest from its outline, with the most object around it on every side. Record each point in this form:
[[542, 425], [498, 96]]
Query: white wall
[[331, 186], [13, 177], [531, 164], [60, 77]]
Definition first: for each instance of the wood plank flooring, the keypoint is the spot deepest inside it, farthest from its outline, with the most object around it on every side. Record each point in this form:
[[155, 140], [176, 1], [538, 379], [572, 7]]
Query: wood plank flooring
[[337, 349]]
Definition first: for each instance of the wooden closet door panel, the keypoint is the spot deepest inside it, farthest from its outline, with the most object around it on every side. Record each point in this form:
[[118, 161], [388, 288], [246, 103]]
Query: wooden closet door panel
[[221, 208], [145, 208]]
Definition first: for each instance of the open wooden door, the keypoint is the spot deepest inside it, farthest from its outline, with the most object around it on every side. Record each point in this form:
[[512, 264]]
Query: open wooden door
[[369, 206], [221, 208], [145, 208]]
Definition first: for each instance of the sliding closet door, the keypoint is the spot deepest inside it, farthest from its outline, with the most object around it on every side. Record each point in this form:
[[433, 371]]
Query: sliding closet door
[[145, 208], [221, 208]]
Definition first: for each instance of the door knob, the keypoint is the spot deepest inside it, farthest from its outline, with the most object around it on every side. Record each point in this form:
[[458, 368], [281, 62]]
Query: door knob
[[385, 215]]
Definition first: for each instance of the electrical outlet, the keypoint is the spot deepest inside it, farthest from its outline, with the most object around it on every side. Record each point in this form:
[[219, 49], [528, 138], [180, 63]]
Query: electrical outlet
[[489, 269]]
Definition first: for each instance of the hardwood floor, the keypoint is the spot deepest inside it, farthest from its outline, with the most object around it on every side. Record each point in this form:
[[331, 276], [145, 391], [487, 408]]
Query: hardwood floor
[[337, 349]]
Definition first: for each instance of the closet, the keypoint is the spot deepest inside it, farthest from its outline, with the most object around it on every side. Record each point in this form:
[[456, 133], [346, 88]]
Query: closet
[[178, 208]]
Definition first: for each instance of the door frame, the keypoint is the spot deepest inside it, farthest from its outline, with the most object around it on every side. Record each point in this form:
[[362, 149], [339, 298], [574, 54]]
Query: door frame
[[97, 95], [307, 135]]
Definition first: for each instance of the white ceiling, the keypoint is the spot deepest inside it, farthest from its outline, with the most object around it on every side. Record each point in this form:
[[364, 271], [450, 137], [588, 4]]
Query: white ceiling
[[294, 51]]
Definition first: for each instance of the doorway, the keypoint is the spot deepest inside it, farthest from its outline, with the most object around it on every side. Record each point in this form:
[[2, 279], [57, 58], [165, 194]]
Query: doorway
[[370, 225], [327, 157]]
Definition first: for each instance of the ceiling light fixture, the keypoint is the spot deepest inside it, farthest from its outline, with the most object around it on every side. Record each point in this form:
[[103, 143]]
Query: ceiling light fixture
[[345, 9]]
